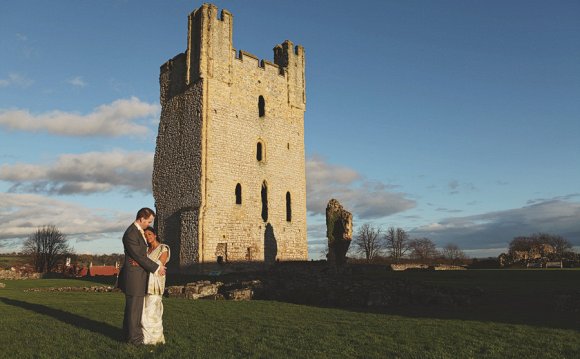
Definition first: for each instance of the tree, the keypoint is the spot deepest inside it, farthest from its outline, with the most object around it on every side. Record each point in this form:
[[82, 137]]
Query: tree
[[560, 245], [397, 242], [46, 246], [423, 249], [452, 253], [368, 241], [539, 245]]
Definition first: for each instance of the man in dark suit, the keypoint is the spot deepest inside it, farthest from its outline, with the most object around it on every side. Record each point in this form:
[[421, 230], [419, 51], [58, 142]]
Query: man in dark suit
[[134, 275]]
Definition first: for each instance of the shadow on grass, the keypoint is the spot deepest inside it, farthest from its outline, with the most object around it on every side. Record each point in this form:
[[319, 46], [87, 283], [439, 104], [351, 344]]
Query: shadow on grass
[[491, 313], [69, 318], [507, 297]]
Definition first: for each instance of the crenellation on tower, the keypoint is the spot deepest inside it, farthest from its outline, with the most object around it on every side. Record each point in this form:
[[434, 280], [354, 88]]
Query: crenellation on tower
[[243, 54], [209, 40], [291, 58]]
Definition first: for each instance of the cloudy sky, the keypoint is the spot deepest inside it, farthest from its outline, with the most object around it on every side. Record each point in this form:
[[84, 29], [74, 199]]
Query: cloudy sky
[[455, 120]]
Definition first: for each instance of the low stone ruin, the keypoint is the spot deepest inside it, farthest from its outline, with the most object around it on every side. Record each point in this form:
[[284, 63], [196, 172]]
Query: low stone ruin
[[324, 285], [356, 286], [419, 266], [320, 284], [244, 290], [408, 266], [15, 274]]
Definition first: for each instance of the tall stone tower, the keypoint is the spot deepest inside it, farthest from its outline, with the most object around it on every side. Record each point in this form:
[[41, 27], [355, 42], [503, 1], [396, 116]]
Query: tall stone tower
[[229, 172]]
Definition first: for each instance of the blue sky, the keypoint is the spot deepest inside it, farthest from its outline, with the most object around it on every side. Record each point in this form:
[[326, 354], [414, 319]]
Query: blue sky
[[455, 120]]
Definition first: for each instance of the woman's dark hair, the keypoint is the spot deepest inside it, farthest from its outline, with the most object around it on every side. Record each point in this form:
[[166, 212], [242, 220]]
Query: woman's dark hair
[[152, 230]]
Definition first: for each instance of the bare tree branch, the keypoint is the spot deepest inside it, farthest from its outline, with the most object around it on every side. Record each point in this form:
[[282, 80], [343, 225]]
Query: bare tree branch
[[397, 242], [368, 241], [46, 246], [452, 253], [423, 249]]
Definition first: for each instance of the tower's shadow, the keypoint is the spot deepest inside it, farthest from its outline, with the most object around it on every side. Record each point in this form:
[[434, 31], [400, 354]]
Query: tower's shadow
[[69, 318]]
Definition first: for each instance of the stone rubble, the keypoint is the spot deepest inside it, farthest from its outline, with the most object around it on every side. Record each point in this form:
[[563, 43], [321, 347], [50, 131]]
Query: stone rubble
[[18, 275]]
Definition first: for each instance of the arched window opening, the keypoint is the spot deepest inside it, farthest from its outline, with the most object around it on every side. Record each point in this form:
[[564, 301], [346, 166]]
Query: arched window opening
[[238, 194], [261, 106], [288, 207], [264, 201], [259, 152]]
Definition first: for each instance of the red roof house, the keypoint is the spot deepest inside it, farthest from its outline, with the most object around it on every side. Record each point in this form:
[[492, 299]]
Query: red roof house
[[103, 270]]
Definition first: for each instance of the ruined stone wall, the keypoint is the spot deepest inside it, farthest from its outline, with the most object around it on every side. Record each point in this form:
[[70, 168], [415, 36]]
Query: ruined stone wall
[[177, 163], [207, 144]]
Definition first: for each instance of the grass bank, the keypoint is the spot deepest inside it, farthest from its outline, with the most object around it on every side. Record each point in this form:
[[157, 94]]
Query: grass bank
[[88, 325]]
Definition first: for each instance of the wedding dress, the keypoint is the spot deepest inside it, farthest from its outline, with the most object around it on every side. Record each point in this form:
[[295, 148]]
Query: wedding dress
[[152, 319]]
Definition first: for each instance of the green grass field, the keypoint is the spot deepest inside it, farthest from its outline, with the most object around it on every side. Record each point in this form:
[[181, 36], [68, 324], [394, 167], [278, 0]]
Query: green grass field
[[513, 319]]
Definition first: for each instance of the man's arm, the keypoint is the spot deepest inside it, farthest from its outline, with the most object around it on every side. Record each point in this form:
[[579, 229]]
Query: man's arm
[[133, 249]]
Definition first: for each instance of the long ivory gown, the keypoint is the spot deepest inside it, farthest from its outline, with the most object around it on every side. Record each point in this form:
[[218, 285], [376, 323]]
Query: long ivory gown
[[152, 319]]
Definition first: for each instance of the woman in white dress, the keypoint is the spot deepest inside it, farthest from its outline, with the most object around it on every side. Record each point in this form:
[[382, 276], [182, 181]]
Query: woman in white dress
[[152, 319]]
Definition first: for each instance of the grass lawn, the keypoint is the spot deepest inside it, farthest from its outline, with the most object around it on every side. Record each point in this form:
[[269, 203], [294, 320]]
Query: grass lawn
[[88, 325]]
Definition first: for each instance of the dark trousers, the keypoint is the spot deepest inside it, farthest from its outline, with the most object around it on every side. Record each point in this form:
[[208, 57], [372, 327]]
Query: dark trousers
[[132, 321]]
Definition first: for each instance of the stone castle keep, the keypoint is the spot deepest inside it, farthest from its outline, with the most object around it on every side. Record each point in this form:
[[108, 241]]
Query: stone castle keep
[[229, 172]]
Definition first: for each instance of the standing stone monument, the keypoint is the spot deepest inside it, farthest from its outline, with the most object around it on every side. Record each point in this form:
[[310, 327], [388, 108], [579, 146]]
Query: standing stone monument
[[229, 172], [338, 232]]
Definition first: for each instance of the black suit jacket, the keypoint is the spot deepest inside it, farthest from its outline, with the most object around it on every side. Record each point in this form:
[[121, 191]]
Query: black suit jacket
[[133, 279]]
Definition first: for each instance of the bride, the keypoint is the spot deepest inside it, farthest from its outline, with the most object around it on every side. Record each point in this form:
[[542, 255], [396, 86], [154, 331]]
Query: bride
[[152, 321]]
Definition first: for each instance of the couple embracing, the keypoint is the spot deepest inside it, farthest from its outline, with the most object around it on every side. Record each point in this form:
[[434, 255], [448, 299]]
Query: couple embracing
[[142, 279]]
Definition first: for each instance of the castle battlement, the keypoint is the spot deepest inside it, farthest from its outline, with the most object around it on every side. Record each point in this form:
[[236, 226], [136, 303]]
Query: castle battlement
[[210, 54], [267, 66]]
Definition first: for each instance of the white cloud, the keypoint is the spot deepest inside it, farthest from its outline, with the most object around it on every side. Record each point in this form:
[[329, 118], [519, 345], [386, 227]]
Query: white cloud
[[83, 173], [118, 118], [16, 80], [363, 198], [22, 214], [497, 229], [318, 171], [77, 82]]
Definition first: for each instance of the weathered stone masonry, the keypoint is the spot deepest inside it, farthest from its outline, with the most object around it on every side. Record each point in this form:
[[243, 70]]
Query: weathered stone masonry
[[229, 172]]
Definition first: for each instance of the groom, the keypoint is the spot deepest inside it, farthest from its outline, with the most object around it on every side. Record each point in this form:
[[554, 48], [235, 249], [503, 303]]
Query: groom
[[134, 274]]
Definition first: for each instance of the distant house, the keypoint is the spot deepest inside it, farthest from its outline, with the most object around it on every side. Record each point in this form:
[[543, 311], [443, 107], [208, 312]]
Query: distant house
[[93, 271], [103, 271]]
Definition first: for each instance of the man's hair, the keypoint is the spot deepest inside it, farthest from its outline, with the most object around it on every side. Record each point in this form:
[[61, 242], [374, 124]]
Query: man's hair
[[145, 213]]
